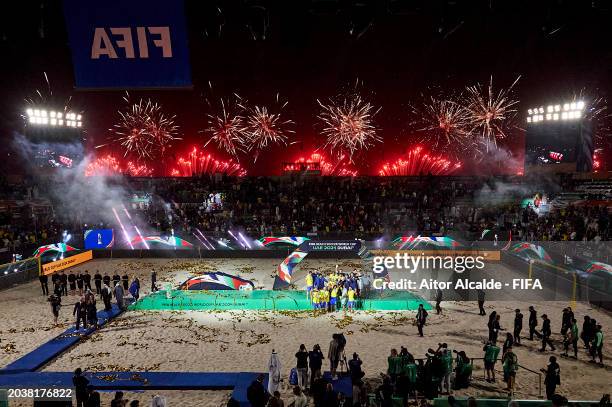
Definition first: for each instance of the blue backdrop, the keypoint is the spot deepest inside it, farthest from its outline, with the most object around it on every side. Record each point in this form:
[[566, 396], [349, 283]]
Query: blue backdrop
[[128, 44]]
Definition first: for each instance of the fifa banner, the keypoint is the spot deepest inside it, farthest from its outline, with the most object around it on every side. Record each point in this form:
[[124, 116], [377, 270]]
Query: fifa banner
[[68, 262], [99, 239], [305, 246], [128, 44]]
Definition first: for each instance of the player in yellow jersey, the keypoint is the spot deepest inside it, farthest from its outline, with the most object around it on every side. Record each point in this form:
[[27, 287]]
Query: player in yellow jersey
[[351, 298], [334, 298], [309, 284]]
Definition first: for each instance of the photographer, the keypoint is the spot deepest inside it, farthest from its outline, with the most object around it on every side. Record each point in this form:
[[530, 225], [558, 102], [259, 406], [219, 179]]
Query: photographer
[[408, 375], [434, 372], [315, 361], [56, 303], [336, 352], [447, 362], [354, 366]]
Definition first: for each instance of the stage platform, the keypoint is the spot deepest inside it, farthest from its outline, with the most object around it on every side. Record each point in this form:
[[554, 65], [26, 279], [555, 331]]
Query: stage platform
[[48, 351], [282, 300]]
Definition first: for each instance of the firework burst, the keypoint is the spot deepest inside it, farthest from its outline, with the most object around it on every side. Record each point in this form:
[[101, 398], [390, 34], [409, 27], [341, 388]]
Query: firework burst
[[444, 124], [144, 130], [227, 126], [597, 112], [198, 163], [419, 161], [110, 166], [265, 126], [348, 126], [491, 113], [44, 97]]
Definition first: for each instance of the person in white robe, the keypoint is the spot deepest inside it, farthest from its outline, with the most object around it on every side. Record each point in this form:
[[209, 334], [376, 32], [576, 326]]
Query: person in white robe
[[274, 370]]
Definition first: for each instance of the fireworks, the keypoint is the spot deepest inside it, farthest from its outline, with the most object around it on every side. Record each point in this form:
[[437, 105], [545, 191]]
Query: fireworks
[[137, 170], [111, 166], [597, 113], [318, 162], [490, 113], [348, 125], [418, 161], [265, 127], [44, 98], [235, 127], [198, 163], [445, 124], [144, 130], [228, 128]]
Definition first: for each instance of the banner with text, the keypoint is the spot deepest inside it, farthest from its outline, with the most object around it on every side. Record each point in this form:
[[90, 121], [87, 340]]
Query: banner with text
[[68, 262], [128, 44]]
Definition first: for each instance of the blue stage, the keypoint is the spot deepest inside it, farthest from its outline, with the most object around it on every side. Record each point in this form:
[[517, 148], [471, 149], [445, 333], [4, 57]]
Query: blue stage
[[23, 373], [56, 346]]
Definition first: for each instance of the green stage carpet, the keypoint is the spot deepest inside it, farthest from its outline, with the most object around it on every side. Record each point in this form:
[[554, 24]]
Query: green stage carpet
[[265, 300]]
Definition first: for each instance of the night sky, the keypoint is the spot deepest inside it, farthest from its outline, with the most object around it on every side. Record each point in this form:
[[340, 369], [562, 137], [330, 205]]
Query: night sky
[[314, 49]]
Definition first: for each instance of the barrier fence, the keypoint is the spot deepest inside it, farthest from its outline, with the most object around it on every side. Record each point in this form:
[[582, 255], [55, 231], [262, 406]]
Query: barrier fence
[[19, 272]]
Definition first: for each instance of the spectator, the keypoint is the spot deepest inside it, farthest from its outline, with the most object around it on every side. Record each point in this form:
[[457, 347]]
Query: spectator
[[80, 387], [302, 366], [257, 394], [315, 360]]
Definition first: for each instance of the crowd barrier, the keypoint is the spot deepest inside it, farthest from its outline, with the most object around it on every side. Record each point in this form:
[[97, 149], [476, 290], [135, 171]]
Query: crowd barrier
[[565, 282], [19, 272]]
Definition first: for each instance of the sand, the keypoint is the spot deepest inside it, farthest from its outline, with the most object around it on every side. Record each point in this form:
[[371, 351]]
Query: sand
[[243, 340]]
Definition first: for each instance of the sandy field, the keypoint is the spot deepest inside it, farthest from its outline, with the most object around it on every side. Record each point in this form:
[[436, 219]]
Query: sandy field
[[243, 340]]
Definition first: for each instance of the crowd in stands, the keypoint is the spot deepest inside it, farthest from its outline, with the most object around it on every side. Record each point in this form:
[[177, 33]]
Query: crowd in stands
[[367, 207], [362, 207]]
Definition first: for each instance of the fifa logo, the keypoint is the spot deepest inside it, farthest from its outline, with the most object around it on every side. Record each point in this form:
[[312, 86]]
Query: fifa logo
[[107, 41]]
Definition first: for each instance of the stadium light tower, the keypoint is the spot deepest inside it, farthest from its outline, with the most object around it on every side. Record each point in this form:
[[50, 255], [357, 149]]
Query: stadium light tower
[[41, 117], [559, 138], [556, 112]]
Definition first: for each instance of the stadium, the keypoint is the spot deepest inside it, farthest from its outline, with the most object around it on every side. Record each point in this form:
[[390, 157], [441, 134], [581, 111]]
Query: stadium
[[324, 203]]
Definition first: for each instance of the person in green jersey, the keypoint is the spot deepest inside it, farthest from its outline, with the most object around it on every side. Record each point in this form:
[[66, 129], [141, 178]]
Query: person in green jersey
[[463, 370], [394, 362], [490, 357], [447, 360], [571, 338], [510, 363], [597, 345]]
